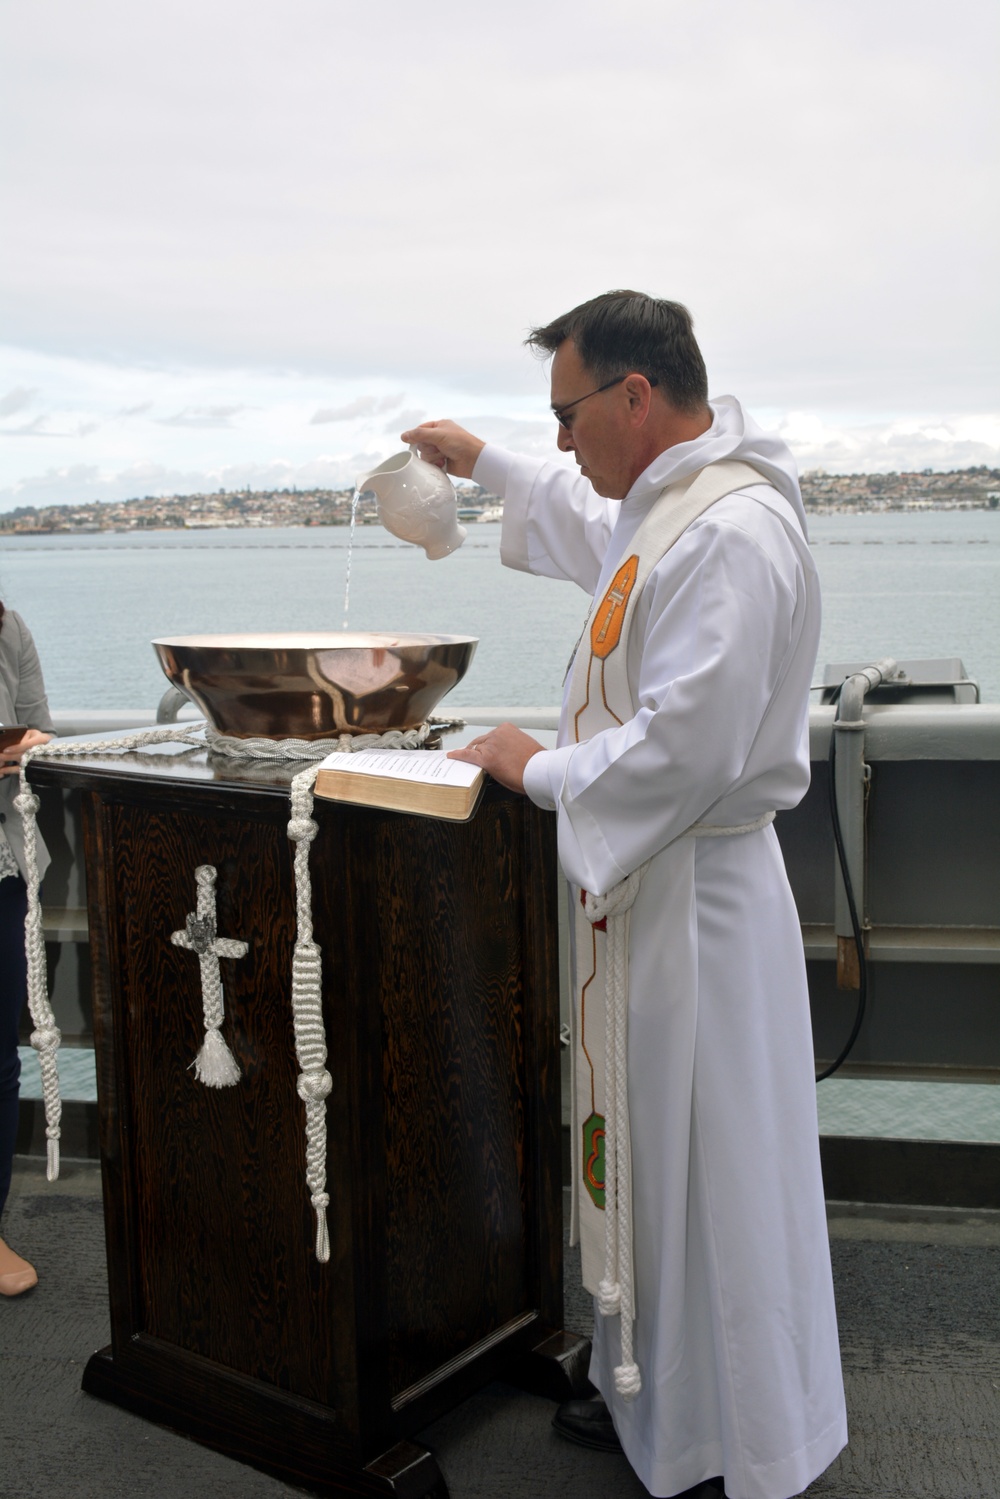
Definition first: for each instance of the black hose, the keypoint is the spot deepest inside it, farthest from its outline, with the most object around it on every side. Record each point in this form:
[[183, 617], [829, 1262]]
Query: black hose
[[851, 906]]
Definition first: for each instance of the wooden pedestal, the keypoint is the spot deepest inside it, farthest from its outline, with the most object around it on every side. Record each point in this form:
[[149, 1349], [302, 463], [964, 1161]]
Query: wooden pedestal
[[441, 1008]]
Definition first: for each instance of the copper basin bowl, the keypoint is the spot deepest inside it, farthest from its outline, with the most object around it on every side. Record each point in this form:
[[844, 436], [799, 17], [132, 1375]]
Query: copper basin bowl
[[309, 686]]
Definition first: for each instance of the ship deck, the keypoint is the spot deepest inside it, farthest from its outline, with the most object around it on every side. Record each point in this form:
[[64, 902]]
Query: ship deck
[[918, 1293]]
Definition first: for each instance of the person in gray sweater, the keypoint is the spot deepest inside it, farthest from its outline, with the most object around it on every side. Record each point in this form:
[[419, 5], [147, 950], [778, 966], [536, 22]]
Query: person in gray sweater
[[22, 702]]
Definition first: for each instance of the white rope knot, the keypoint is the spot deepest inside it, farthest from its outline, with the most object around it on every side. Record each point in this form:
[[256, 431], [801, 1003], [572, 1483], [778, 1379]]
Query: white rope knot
[[27, 803], [619, 899], [314, 1085], [46, 1037], [302, 829], [320, 1200], [307, 957], [628, 1380], [609, 1298]]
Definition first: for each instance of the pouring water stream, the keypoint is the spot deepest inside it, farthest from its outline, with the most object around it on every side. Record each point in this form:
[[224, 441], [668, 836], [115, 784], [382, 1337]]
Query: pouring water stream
[[350, 551]]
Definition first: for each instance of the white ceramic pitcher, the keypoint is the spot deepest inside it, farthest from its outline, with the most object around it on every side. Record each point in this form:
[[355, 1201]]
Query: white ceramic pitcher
[[417, 502]]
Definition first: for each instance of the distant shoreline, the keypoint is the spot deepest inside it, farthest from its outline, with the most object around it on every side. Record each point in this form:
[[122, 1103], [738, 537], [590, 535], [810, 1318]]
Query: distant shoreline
[[823, 494], [813, 512]]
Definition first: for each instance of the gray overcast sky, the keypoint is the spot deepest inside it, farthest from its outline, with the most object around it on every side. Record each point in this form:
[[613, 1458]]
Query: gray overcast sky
[[228, 224]]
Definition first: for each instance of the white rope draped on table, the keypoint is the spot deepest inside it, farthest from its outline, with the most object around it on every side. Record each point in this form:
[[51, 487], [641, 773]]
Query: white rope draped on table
[[46, 1036], [314, 1082]]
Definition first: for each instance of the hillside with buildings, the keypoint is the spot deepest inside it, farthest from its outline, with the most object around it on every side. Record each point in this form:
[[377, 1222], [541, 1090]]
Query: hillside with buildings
[[961, 489]]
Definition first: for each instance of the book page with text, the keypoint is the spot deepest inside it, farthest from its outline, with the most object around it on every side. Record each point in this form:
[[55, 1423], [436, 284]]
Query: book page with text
[[431, 767]]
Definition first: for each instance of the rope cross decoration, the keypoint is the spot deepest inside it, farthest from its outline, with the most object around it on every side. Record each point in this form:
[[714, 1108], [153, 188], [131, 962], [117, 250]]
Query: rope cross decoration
[[215, 1065]]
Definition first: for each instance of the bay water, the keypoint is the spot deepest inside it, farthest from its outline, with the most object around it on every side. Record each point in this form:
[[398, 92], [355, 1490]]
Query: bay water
[[905, 585], [898, 584]]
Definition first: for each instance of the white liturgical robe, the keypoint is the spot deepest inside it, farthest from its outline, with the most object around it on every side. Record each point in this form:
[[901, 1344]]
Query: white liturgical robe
[[735, 1326]]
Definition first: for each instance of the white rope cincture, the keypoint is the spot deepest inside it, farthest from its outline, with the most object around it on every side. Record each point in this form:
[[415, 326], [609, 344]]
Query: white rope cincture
[[45, 1037], [616, 1292], [314, 1082], [215, 1065], [710, 830], [318, 749]]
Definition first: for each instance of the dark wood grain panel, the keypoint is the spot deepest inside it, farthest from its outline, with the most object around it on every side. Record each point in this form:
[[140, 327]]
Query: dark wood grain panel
[[542, 1173], [440, 997], [218, 1174], [453, 1016]]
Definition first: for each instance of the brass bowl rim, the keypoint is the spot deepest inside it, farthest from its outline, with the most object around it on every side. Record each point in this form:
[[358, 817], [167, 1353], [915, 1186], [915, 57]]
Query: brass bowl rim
[[324, 640]]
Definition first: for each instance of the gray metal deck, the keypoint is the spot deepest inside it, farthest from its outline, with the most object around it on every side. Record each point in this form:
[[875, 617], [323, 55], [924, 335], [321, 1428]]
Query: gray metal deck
[[919, 1297]]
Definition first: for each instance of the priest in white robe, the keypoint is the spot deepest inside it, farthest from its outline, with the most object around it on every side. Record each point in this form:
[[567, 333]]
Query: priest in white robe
[[734, 1343]]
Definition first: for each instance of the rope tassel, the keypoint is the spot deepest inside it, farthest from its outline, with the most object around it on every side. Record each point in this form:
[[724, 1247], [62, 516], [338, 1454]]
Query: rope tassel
[[215, 1065], [616, 1292]]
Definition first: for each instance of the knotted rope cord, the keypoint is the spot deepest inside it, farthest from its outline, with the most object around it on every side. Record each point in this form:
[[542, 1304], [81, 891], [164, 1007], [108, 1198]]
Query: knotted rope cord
[[46, 1036], [616, 1293], [314, 1082], [318, 749]]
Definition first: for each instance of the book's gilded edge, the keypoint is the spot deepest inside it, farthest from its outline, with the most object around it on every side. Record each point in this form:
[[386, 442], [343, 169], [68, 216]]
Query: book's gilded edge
[[358, 784]]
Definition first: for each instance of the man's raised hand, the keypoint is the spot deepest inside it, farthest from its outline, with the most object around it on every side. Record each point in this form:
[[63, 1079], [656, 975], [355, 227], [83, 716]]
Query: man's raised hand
[[447, 445]]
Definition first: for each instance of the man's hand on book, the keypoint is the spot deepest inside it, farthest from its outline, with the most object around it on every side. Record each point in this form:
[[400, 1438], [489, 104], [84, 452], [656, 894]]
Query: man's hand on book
[[503, 753]]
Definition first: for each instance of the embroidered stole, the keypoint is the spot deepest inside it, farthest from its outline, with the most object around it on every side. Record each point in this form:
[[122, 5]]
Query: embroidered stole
[[600, 698]]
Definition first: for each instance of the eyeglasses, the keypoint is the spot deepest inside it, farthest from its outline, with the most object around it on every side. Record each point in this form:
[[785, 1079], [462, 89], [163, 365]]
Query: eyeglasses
[[559, 412]]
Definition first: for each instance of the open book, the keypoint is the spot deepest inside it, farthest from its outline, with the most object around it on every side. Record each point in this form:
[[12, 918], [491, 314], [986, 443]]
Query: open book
[[425, 782]]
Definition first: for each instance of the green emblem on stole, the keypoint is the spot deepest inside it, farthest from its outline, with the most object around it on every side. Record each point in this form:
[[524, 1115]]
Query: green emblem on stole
[[593, 1158]]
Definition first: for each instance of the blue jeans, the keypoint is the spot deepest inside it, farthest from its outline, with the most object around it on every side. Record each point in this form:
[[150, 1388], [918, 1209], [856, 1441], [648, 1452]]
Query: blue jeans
[[13, 992]]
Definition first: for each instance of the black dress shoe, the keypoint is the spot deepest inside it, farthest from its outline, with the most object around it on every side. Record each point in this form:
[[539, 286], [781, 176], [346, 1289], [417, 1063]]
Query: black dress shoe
[[712, 1488], [588, 1423]]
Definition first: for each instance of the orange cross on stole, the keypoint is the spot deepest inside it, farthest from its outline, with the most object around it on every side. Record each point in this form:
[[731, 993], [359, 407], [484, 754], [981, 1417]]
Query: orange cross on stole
[[606, 629]]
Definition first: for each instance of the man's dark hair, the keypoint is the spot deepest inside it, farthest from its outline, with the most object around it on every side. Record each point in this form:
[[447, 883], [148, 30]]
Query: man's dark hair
[[624, 331]]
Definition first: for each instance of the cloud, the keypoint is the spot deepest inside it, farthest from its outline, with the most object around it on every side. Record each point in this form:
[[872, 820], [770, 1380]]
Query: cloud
[[86, 483], [136, 410], [202, 416], [404, 419], [896, 446], [806, 273], [35, 428], [16, 400], [362, 406]]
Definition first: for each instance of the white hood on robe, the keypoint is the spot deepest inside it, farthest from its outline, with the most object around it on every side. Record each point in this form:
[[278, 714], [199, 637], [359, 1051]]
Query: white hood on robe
[[733, 434]]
